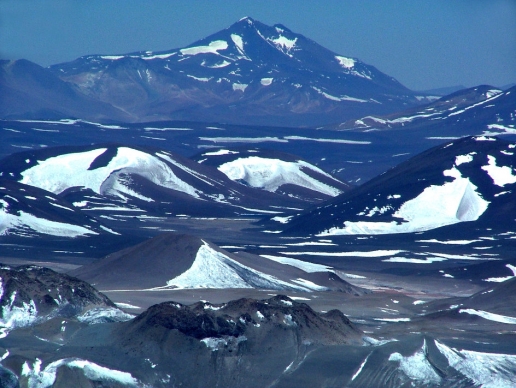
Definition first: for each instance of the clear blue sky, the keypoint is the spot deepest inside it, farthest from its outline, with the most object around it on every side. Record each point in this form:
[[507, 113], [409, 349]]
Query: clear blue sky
[[423, 43]]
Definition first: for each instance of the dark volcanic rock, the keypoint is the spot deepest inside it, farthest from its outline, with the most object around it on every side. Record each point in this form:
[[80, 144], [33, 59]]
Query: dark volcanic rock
[[246, 317], [191, 321], [31, 293]]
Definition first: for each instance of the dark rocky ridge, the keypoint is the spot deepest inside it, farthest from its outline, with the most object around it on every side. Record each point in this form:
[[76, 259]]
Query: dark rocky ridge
[[240, 317], [50, 293]]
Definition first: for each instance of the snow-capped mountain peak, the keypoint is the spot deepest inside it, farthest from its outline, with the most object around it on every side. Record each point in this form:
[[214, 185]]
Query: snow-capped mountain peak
[[271, 71]]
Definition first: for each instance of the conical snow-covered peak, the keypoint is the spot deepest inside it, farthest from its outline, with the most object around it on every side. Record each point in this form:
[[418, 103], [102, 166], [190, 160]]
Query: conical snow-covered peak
[[270, 71]]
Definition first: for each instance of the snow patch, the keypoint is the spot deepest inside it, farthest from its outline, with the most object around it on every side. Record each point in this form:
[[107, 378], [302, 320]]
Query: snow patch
[[377, 253], [17, 316], [460, 159], [503, 279], [360, 368], [220, 153], [266, 81], [243, 139], [417, 367], [212, 48], [449, 242], [25, 221], [126, 306], [239, 43], [303, 265], [38, 378], [284, 44], [346, 63], [393, 319], [104, 314], [501, 175], [241, 87], [270, 174], [339, 141], [310, 285], [436, 206]]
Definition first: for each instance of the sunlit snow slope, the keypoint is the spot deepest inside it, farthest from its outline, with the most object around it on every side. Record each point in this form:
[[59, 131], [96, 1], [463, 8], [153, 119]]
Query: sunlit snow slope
[[274, 171], [179, 261], [464, 181], [111, 177]]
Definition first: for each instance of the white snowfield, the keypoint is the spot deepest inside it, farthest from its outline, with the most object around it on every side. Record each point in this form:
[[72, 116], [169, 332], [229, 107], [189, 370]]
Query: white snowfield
[[38, 378], [488, 370], [417, 367], [348, 64], [213, 269], [335, 98], [266, 81], [59, 173], [270, 174], [450, 203]]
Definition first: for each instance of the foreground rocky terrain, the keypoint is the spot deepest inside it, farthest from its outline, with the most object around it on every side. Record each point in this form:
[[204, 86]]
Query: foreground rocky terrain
[[253, 341]]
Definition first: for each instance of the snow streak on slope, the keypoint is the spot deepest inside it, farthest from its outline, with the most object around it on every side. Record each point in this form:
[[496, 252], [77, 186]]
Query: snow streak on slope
[[270, 174], [490, 316], [489, 370], [59, 173], [304, 265], [213, 269], [436, 206]]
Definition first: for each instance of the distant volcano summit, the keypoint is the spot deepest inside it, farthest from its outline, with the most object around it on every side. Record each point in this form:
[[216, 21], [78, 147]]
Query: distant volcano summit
[[248, 73]]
